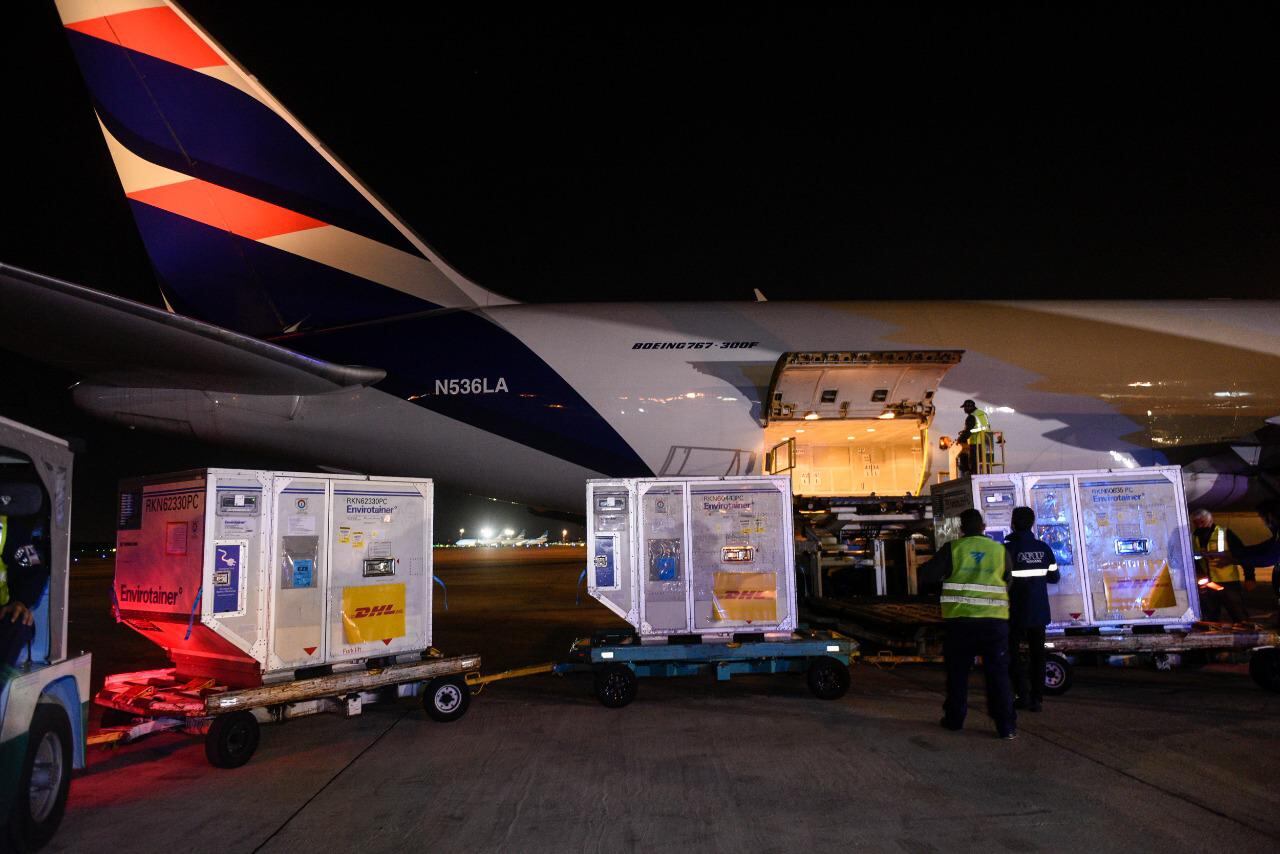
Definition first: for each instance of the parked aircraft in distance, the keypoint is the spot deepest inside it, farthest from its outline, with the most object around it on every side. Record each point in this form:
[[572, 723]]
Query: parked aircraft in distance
[[305, 314]]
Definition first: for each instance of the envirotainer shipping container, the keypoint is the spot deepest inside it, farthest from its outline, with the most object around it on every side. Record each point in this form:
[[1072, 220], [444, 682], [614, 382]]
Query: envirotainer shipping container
[[1120, 539], [255, 576], [693, 556]]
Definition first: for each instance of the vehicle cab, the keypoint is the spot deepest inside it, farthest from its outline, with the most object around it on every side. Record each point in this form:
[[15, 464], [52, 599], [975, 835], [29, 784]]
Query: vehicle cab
[[44, 693]]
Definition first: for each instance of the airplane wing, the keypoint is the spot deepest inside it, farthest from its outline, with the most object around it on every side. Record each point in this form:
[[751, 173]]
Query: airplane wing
[[115, 341]]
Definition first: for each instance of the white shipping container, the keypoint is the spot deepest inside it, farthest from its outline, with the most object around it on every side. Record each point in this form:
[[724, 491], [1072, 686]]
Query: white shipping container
[[693, 556], [1120, 539], [248, 576]]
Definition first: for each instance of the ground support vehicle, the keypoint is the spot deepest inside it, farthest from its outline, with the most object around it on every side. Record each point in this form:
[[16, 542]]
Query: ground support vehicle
[[618, 660], [43, 705], [157, 700]]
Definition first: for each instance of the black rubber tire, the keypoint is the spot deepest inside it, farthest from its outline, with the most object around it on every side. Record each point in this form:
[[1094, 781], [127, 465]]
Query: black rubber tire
[[615, 685], [1058, 674], [45, 780], [231, 740], [446, 698], [828, 678], [1264, 667]]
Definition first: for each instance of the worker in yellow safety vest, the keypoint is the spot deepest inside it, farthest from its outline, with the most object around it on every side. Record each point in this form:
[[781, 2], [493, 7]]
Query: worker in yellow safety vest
[[4, 570], [1219, 574], [975, 572], [978, 441]]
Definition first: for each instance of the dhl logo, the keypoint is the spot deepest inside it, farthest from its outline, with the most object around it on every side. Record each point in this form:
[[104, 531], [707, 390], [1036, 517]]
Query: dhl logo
[[749, 594], [375, 611]]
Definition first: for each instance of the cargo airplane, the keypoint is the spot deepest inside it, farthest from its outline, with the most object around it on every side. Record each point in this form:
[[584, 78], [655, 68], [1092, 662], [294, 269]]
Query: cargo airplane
[[303, 314]]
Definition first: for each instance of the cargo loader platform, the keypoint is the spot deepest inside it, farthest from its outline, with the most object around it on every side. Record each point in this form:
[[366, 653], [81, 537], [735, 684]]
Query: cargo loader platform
[[618, 661]]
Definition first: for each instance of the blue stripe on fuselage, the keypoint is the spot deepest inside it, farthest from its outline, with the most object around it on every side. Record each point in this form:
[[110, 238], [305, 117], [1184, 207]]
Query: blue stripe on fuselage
[[539, 408], [194, 124]]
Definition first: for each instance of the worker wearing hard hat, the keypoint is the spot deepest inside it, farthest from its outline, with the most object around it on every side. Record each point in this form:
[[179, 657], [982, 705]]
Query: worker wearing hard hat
[[1034, 567], [975, 572], [1218, 571], [977, 439]]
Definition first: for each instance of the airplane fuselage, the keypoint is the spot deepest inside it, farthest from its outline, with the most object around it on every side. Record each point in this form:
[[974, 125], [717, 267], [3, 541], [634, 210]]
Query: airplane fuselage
[[525, 402]]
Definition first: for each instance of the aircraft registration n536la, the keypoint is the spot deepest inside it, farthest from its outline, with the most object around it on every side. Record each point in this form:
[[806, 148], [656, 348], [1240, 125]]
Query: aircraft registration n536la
[[282, 272]]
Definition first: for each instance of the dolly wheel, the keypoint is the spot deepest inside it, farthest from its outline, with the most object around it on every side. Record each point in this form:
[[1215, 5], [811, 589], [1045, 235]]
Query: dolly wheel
[[231, 740], [615, 685], [45, 779], [1057, 674], [828, 678], [446, 698], [1264, 667]]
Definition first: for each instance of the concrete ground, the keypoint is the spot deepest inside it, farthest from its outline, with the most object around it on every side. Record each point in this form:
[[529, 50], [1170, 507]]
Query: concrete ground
[[1129, 760]]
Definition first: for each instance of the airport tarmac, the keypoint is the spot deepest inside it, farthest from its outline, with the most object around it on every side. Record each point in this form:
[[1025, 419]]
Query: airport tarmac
[[1129, 759]]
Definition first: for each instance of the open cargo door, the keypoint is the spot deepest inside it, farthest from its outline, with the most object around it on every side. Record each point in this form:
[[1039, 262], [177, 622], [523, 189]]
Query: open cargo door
[[859, 420]]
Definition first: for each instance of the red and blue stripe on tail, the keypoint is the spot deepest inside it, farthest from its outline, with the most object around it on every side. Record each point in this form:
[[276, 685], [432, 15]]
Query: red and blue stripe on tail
[[248, 221]]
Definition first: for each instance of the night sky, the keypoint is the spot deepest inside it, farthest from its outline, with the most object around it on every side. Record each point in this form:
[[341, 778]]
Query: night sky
[[666, 155]]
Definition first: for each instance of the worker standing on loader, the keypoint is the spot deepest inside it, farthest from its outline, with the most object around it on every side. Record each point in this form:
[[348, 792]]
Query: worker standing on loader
[[1034, 566], [975, 572], [977, 439], [1221, 575]]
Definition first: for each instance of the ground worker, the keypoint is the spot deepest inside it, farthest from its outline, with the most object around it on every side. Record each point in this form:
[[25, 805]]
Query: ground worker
[[977, 439], [1218, 571], [24, 571], [1034, 567], [1267, 552], [975, 573]]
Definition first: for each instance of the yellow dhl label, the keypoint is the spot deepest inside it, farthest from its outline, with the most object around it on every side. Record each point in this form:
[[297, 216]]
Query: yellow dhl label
[[1145, 589], [747, 597], [373, 613]]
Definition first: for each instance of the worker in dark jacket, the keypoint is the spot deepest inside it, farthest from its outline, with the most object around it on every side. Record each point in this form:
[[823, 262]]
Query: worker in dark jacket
[[1034, 567], [975, 573], [24, 572]]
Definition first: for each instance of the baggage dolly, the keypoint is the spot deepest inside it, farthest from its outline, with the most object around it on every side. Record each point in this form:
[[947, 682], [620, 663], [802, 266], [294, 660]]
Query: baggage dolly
[[157, 700], [912, 634], [1263, 646], [619, 660]]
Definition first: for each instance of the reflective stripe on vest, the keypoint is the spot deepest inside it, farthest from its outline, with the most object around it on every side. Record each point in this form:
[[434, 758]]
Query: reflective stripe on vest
[[1217, 556], [981, 424], [4, 570], [976, 586], [1034, 573]]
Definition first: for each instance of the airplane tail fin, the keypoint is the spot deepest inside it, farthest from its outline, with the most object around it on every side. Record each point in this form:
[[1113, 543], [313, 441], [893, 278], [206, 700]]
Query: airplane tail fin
[[249, 221]]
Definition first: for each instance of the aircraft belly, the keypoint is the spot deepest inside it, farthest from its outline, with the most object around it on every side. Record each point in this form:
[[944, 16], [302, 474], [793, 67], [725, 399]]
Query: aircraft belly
[[362, 430]]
